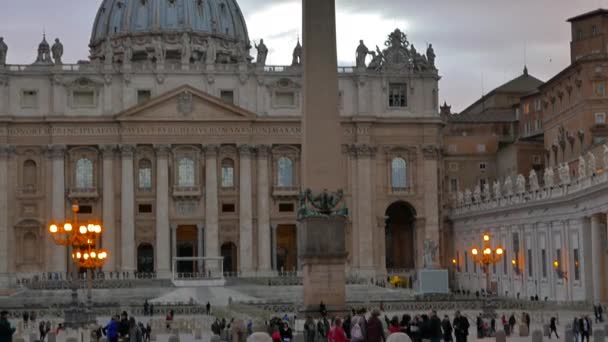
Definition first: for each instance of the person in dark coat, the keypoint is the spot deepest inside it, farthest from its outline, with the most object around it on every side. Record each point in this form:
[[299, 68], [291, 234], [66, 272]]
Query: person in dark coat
[[123, 326], [461, 327], [375, 331], [512, 322], [6, 331], [446, 325], [553, 328], [435, 332]]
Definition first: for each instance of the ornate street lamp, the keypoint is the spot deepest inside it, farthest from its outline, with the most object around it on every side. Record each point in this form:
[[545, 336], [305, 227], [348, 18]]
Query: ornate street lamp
[[516, 268], [487, 256], [82, 237], [561, 274]]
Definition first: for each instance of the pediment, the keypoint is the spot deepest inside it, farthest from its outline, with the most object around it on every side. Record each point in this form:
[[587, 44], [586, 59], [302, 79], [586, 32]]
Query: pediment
[[185, 103]]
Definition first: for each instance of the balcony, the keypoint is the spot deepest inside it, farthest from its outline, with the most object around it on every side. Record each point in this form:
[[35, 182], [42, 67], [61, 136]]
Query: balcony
[[401, 190], [187, 192], [285, 191], [83, 194]]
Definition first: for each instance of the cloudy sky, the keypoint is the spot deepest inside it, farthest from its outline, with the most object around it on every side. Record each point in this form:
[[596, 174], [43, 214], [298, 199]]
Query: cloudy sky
[[480, 44]]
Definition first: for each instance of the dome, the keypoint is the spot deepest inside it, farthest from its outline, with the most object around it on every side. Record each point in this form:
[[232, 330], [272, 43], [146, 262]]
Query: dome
[[147, 19]]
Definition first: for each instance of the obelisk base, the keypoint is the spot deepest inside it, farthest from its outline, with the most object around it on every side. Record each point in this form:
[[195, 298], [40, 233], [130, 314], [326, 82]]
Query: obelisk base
[[321, 249]]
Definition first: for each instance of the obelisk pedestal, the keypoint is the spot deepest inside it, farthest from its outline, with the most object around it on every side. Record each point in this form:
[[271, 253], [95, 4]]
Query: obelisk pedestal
[[321, 228]]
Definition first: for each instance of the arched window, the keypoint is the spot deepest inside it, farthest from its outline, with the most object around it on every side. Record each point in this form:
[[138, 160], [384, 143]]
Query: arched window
[[145, 175], [285, 172], [227, 173], [185, 172], [399, 173], [29, 175], [84, 174]]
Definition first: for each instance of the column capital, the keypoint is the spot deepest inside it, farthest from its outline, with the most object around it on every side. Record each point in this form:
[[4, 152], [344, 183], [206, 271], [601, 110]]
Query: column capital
[[245, 150], [173, 226], [200, 226], [362, 150], [56, 151], [263, 150], [211, 150], [6, 151], [127, 150], [162, 150], [107, 151]]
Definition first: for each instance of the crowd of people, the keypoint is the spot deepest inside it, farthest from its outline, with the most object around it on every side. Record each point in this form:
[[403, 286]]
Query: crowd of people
[[125, 328]]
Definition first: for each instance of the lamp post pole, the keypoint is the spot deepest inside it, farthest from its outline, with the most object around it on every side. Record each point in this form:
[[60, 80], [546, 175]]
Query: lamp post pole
[[487, 256], [83, 239]]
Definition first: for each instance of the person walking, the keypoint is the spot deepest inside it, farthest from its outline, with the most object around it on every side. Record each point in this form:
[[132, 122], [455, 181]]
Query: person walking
[[575, 329], [461, 327], [337, 334], [553, 328], [6, 331], [446, 325], [375, 330], [512, 323], [286, 333], [111, 329], [135, 333], [310, 329], [435, 332], [585, 328], [323, 329], [208, 308]]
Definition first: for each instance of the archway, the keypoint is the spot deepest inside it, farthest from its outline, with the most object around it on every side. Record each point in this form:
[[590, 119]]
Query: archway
[[145, 258], [400, 236], [230, 259]]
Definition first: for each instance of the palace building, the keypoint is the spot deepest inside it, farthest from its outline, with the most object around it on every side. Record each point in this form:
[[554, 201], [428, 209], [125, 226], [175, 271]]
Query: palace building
[[182, 144]]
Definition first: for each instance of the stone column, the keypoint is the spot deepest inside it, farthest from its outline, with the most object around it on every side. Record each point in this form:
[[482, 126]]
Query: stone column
[[162, 250], [200, 234], [5, 152], [109, 228], [431, 199], [127, 214], [264, 249], [365, 208], [57, 153], [173, 247], [596, 256], [245, 211], [273, 246], [212, 237]]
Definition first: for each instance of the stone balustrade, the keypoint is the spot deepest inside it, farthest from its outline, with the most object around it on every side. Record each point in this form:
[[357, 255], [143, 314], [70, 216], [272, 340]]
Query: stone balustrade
[[564, 183]]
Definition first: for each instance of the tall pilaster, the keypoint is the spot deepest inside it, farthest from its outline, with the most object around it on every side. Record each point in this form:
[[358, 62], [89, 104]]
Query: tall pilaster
[[57, 154], [200, 235], [127, 214], [212, 237], [431, 198], [264, 237], [245, 211], [597, 257], [163, 258], [5, 152], [365, 206], [173, 247], [273, 248], [109, 222]]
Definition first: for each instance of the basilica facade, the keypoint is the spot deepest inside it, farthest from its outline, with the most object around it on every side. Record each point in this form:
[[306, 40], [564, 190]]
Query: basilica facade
[[183, 145]]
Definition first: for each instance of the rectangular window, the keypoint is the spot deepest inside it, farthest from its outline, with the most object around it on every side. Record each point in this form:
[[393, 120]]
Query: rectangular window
[[600, 118], [526, 108], [505, 264], [538, 105], [466, 262], [397, 95], [29, 99], [85, 209], [145, 208], [600, 89], [481, 148], [474, 267], [594, 30], [227, 96], [284, 99], [482, 166], [286, 207], [143, 95], [579, 34], [543, 257], [537, 125], [558, 258], [493, 268], [452, 148], [228, 208], [83, 98], [530, 263], [453, 184]]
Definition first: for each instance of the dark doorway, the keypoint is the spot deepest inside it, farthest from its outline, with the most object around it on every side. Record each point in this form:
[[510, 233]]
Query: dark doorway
[[145, 258], [230, 259], [287, 248], [400, 236]]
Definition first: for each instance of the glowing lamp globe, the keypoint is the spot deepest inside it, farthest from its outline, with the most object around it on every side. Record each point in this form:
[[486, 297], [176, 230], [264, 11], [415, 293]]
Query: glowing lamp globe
[[474, 251], [83, 230], [53, 228], [67, 227], [499, 251]]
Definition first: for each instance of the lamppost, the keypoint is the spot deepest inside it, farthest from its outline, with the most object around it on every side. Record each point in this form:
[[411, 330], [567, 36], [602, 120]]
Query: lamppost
[[487, 256], [82, 238]]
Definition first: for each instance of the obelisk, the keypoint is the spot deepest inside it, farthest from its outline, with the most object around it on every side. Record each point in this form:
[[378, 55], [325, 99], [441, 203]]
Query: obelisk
[[321, 230]]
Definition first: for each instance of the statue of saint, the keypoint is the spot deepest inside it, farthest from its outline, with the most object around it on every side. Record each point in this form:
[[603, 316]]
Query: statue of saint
[[262, 53], [468, 197], [3, 51], [520, 184], [477, 194], [430, 55], [460, 198], [591, 164], [159, 51], [533, 179], [549, 177], [497, 192], [508, 187], [186, 49], [486, 192], [377, 59], [430, 251], [564, 174], [57, 51], [362, 52], [582, 168], [297, 55]]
